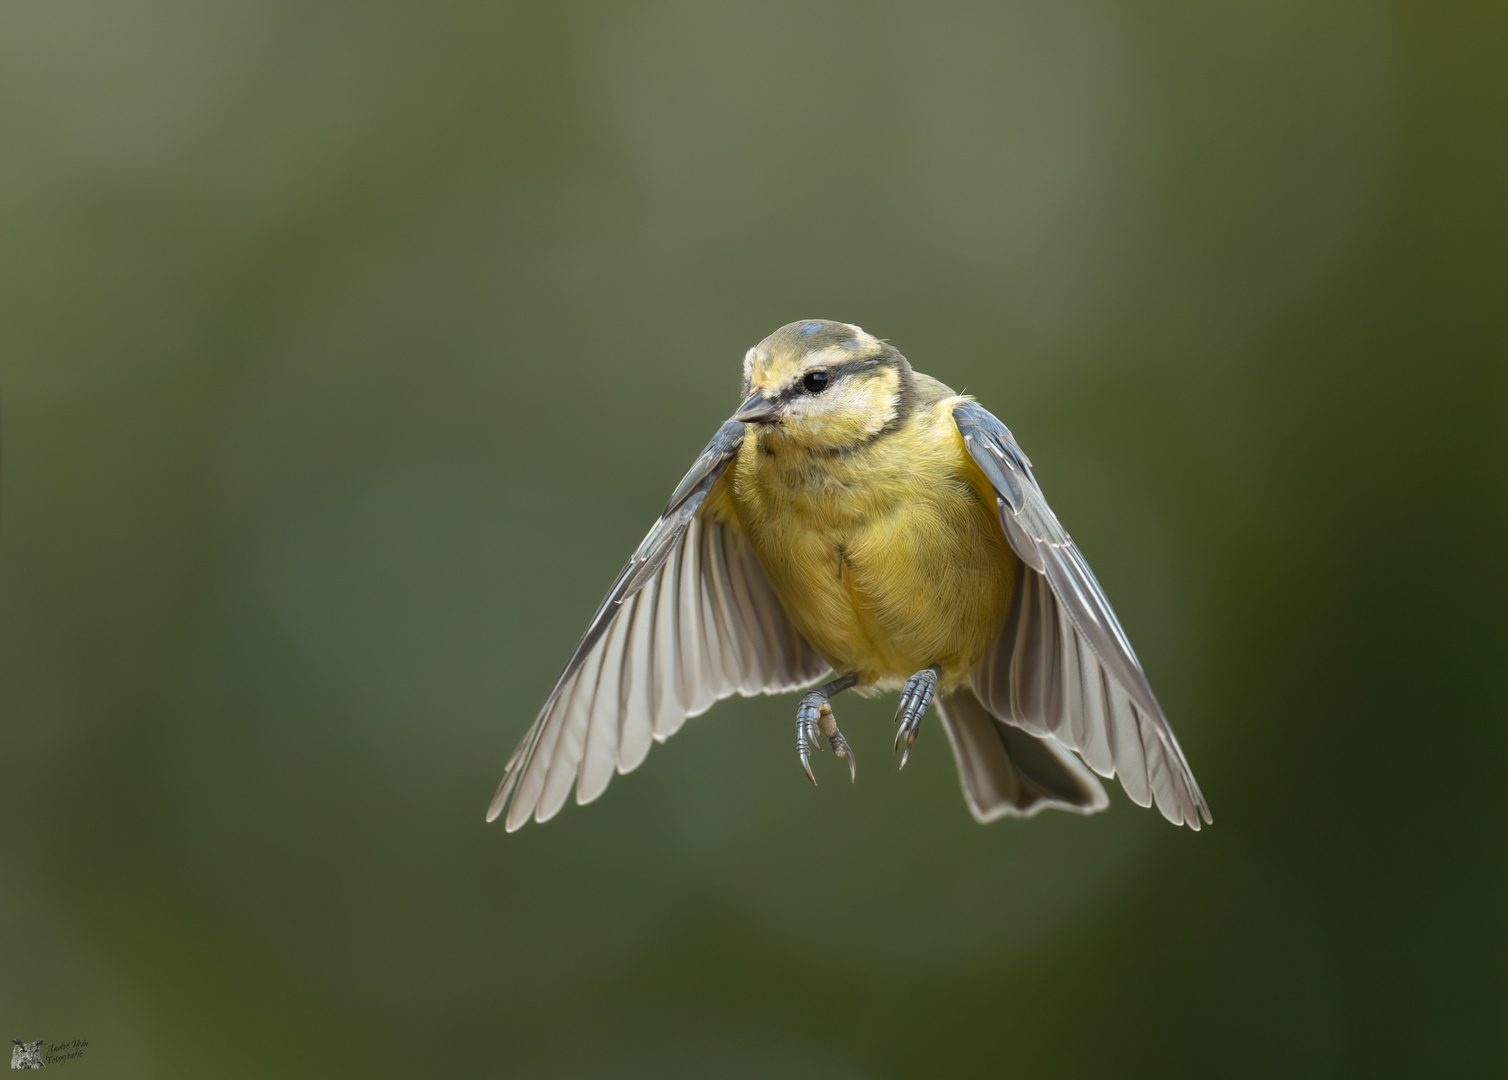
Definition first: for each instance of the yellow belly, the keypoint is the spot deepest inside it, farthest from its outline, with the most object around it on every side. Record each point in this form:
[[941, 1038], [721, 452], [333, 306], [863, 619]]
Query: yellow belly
[[888, 560]]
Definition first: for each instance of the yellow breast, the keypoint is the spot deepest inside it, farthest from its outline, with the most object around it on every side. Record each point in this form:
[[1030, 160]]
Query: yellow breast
[[888, 558]]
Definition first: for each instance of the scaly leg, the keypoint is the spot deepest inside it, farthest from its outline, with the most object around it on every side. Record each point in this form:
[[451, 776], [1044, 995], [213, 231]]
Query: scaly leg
[[815, 714], [915, 698]]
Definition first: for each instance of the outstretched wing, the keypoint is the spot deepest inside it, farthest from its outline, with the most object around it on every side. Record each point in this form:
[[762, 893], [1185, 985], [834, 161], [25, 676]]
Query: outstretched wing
[[1062, 666], [690, 620]]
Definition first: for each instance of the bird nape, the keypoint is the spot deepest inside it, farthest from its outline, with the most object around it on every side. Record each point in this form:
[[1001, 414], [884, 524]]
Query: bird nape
[[857, 523]]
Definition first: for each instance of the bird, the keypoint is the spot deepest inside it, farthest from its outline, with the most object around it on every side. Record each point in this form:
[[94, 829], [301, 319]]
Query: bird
[[857, 525]]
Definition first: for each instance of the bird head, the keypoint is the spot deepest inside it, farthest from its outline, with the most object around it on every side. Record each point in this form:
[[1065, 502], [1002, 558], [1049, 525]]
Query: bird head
[[824, 386]]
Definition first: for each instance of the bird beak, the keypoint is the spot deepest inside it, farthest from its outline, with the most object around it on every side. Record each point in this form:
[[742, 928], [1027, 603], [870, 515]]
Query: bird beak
[[758, 409]]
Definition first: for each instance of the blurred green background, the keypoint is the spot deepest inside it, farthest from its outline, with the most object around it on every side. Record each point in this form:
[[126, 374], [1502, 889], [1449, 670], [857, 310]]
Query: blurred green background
[[348, 349]]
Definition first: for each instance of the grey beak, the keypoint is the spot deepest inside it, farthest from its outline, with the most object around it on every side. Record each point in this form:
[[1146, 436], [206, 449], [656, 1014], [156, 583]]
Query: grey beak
[[758, 409]]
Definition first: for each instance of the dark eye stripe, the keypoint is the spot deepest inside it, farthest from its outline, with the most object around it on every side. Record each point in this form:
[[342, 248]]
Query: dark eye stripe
[[866, 364]]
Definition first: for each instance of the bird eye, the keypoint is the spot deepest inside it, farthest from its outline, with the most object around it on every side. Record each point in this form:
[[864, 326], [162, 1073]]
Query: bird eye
[[815, 382]]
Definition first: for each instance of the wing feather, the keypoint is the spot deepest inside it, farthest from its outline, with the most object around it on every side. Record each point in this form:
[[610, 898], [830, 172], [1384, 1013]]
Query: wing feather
[[743, 624], [667, 665], [687, 639], [690, 619], [638, 702], [1062, 666], [714, 594], [1125, 742], [536, 763], [561, 772], [763, 667], [600, 756]]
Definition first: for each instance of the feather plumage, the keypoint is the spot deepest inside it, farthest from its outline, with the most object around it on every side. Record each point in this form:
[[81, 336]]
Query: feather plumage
[[688, 621], [1062, 667], [858, 515]]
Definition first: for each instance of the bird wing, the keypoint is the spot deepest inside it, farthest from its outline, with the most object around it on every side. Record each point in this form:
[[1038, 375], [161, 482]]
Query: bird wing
[[691, 619], [1062, 666]]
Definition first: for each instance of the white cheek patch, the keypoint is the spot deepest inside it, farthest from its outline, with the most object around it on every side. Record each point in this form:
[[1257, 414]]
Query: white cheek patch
[[846, 411], [880, 398]]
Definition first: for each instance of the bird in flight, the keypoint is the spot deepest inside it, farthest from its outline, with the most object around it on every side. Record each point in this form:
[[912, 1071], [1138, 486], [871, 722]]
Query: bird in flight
[[859, 525]]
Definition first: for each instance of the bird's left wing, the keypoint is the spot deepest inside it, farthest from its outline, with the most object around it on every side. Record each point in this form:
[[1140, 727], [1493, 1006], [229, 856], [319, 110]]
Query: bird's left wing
[[691, 619], [1062, 666]]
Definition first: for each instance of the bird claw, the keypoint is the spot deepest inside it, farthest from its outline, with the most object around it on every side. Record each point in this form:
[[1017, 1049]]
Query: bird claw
[[815, 716], [843, 750], [806, 730], [915, 698]]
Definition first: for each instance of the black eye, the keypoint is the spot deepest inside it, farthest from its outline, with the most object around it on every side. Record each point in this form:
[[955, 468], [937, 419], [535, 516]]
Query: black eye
[[815, 382]]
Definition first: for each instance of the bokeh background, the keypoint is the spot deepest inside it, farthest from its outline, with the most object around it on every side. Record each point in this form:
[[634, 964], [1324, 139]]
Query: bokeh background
[[348, 348]]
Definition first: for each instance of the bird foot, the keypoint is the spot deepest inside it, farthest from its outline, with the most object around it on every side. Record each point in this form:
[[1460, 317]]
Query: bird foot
[[915, 697], [814, 715]]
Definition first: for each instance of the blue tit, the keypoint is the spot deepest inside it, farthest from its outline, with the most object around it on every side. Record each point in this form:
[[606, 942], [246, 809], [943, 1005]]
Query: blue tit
[[859, 525]]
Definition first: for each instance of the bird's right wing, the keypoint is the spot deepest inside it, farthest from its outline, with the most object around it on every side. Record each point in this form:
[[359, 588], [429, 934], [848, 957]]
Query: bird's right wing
[[1062, 666], [690, 619]]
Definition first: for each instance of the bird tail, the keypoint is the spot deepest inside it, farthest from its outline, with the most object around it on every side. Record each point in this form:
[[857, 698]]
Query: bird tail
[[1005, 771]]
